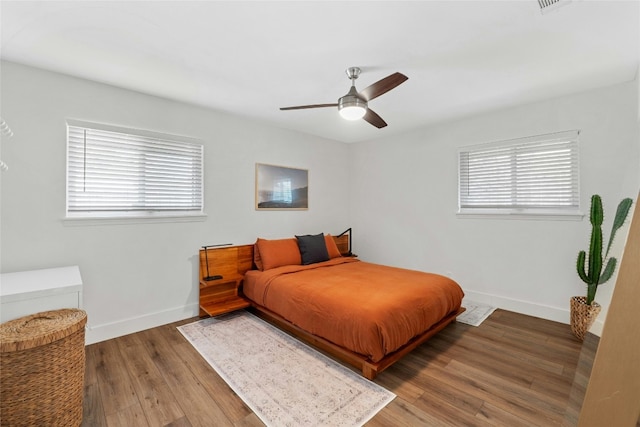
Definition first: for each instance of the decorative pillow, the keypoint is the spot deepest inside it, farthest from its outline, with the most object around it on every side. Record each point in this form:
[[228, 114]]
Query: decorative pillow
[[257, 260], [276, 253], [332, 248], [312, 248]]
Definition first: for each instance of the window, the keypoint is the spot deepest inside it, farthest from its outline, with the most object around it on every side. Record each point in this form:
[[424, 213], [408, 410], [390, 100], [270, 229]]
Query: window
[[117, 172], [282, 191], [531, 176]]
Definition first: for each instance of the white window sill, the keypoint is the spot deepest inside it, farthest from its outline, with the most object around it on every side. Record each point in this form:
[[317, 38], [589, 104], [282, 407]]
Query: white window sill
[[543, 216], [73, 221]]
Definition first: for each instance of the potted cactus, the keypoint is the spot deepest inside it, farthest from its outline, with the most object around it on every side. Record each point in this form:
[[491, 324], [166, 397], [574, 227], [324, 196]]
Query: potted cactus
[[584, 310]]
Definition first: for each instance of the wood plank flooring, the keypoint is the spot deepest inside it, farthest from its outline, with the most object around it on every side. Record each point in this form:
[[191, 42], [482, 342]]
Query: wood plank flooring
[[513, 370]]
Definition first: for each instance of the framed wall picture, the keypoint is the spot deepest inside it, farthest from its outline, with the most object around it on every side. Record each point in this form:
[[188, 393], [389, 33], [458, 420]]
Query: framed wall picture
[[281, 188]]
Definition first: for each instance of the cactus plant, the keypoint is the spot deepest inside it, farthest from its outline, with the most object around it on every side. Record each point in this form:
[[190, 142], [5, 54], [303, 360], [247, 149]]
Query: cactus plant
[[593, 274]]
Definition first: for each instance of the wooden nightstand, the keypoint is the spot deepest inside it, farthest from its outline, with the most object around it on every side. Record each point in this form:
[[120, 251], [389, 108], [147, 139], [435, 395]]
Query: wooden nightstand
[[221, 296]]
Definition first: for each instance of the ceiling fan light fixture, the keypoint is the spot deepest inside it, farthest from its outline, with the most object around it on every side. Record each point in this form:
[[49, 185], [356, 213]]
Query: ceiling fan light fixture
[[352, 107]]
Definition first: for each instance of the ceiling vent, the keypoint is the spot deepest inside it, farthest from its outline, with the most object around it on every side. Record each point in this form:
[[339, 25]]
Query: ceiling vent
[[547, 6]]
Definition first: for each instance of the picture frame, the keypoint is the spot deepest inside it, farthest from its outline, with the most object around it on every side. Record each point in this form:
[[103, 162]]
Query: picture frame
[[281, 188]]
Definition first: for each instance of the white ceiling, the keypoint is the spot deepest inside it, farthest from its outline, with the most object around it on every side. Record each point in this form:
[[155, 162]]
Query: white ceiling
[[250, 58]]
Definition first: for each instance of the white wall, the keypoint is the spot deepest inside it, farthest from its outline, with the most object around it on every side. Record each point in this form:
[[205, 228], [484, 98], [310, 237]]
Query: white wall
[[142, 275], [404, 202]]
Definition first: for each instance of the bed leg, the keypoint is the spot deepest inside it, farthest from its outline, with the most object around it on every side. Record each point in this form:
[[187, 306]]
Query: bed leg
[[368, 372]]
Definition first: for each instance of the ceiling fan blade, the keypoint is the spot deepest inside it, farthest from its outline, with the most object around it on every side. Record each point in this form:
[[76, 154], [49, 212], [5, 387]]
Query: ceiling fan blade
[[303, 107], [373, 118], [383, 86]]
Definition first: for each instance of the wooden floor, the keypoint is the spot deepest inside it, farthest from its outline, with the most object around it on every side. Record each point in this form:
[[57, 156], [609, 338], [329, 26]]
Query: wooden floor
[[513, 370]]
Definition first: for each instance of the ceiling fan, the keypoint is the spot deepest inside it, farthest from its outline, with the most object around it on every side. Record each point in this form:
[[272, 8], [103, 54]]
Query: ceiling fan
[[354, 105]]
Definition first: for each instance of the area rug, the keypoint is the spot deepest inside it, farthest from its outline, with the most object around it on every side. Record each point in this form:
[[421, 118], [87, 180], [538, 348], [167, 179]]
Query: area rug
[[475, 313], [282, 380]]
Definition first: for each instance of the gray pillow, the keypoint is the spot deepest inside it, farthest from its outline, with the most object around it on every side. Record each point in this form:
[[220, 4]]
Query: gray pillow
[[313, 248]]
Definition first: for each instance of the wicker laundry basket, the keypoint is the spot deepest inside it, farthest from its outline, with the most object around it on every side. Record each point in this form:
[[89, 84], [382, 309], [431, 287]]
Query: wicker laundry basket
[[42, 365]]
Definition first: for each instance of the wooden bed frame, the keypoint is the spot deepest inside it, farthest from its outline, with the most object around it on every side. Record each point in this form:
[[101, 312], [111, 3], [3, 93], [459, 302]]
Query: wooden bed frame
[[237, 260]]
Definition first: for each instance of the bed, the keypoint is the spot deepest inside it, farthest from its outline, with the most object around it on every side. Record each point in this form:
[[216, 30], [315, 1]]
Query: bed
[[365, 314]]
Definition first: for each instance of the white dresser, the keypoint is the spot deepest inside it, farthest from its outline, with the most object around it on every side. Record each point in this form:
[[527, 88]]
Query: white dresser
[[28, 292]]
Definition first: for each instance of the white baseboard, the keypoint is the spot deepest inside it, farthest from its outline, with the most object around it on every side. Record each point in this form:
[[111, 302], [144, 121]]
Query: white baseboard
[[556, 314], [97, 333]]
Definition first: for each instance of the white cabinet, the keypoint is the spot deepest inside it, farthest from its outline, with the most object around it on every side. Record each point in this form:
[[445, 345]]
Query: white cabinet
[[28, 292]]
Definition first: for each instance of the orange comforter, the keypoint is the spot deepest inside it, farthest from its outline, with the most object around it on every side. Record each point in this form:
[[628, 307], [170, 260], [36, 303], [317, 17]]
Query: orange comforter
[[367, 308]]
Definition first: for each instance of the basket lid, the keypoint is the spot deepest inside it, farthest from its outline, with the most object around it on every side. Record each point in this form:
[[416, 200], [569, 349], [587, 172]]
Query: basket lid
[[40, 329]]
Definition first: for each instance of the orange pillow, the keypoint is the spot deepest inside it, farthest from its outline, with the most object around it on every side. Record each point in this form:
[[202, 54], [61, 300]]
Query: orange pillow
[[256, 256], [332, 248], [276, 253]]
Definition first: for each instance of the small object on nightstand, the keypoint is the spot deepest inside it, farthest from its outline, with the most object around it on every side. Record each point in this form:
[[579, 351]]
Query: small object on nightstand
[[206, 257]]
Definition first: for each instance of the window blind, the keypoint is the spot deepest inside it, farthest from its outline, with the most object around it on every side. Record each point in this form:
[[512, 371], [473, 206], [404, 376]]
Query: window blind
[[113, 172], [531, 175]]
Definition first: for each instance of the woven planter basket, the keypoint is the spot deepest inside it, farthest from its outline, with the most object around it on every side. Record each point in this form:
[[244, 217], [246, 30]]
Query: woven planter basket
[[42, 365], [583, 316]]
